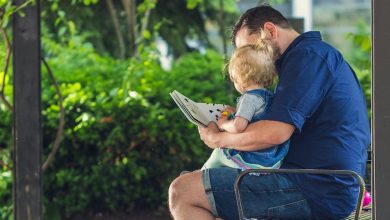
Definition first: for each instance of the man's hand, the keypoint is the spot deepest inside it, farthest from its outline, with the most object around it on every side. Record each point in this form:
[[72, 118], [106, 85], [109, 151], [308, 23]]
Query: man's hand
[[209, 135]]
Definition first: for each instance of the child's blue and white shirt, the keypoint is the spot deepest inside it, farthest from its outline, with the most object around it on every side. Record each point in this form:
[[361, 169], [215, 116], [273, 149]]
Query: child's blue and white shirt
[[253, 105]]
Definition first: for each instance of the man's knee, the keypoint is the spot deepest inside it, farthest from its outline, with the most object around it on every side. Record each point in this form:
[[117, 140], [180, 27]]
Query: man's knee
[[174, 192], [185, 189]]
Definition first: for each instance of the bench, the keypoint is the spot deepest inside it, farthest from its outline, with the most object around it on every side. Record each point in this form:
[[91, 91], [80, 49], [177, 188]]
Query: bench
[[360, 213], [364, 215]]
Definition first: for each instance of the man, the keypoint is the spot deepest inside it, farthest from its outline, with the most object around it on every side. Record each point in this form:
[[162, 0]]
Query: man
[[318, 105]]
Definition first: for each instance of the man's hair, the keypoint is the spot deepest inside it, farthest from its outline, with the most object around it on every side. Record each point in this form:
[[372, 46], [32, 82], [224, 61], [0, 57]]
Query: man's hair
[[255, 18]]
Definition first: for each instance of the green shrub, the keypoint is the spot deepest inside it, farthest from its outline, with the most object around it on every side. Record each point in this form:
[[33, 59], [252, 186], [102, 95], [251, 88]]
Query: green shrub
[[360, 58], [124, 139]]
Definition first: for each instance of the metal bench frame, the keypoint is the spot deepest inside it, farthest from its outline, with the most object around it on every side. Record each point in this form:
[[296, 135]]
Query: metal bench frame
[[300, 171]]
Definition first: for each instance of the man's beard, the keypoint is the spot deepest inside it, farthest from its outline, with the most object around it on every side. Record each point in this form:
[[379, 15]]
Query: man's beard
[[276, 51]]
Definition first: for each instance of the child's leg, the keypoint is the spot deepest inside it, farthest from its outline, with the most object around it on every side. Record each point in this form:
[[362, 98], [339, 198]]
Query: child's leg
[[218, 159]]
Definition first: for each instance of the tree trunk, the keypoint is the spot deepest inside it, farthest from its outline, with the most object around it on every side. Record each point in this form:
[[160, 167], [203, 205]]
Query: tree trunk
[[115, 21], [222, 28], [130, 6]]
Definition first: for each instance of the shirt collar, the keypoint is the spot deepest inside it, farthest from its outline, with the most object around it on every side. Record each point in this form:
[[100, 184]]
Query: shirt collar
[[307, 35]]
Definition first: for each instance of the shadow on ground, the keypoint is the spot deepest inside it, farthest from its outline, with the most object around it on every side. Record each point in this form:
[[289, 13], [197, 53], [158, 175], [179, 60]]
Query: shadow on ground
[[160, 214]]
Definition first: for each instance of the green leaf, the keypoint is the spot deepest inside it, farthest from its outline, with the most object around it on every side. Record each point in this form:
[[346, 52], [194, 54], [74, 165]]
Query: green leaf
[[146, 35], [72, 27], [61, 31], [192, 4]]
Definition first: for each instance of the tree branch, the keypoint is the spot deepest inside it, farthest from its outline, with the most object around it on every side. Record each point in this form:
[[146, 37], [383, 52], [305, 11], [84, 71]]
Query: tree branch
[[61, 124], [5, 70], [145, 21], [3, 164], [133, 144], [115, 21]]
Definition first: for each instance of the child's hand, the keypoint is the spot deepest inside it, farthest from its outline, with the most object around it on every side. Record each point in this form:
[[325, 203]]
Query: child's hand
[[222, 120], [230, 109]]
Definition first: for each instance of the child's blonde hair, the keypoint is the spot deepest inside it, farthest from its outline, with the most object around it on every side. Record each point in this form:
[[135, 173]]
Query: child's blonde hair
[[253, 64]]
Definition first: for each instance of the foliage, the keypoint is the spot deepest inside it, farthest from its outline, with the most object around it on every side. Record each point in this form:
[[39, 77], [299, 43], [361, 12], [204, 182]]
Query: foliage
[[175, 21], [121, 125], [5, 183], [7, 9], [360, 58]]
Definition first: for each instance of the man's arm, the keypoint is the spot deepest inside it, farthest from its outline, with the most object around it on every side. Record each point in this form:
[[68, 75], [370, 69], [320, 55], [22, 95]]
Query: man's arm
[[257, 136]]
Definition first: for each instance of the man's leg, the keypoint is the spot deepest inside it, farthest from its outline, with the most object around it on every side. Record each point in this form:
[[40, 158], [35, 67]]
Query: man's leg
[[263, 196], [187, 198]]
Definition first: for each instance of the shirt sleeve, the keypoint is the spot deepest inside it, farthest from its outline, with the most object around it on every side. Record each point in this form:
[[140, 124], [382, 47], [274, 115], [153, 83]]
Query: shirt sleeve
[[248, 105], [303, 82]]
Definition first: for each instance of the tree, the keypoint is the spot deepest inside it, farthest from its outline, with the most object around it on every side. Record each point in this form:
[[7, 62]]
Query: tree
[[136, 22]]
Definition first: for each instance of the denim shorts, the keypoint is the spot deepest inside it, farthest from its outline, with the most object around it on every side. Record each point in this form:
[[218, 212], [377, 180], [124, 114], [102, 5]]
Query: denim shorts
[[263, 196]]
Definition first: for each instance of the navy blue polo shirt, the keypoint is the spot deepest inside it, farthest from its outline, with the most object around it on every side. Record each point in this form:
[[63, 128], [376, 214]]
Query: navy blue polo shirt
[[320, 95]]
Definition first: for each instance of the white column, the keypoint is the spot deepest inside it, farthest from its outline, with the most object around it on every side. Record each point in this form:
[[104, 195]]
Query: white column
[[303, 9]]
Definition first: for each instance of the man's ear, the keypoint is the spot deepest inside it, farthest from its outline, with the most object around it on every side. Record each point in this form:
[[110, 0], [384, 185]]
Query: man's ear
[[271, 30]]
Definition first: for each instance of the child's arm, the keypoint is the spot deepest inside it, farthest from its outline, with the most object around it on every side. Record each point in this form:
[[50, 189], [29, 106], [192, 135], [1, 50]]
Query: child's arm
[[236, 125]]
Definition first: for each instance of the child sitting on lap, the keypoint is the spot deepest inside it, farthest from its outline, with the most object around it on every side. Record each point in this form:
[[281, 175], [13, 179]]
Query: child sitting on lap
[[251, 69]]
